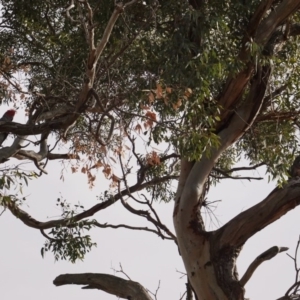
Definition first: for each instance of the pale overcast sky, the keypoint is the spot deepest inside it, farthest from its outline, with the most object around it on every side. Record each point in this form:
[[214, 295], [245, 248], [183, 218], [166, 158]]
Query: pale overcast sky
[[144, 257]]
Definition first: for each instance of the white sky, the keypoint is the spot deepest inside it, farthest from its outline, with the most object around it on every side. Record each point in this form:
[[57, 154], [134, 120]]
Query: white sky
[[144, 257]]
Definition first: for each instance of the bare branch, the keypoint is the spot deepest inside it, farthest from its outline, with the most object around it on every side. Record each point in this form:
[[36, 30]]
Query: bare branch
[[119, 8], [129, 227], [71, 6], [294, 286], [52, 156], [254, 167], [129, 3], [114, 285], [122, 271], [226, 175], [36, 157], [146, 215], [155, 294], [31, 222], [270, 253]]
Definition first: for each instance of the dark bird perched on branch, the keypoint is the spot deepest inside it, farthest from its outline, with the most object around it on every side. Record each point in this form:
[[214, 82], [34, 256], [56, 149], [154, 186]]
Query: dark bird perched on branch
[[7, 117]]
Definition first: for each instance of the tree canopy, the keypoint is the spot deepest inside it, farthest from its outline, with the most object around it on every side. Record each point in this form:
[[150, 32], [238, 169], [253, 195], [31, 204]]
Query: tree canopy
[[164, 98]]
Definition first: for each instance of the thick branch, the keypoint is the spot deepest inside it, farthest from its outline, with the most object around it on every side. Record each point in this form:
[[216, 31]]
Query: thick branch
[[275, 18], [31, 129], [257, 17], [52, 156], [107, 32], [7, 152], [239, 229], [126, 289], [240, 122], [37, 156]]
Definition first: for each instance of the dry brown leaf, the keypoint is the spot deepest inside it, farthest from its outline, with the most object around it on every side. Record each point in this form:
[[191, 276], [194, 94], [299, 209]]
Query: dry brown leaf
[[138, 128], [177, 104], [151, 97], [106, 171], [168, 90], [145, 107], [153, 158], [115, 178], [151, 115], [159, 91]]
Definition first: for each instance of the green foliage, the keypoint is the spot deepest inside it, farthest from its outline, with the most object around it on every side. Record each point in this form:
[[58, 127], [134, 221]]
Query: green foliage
[[68, 243], [14, 179], [168, 43], [272, 143], [161, 76]]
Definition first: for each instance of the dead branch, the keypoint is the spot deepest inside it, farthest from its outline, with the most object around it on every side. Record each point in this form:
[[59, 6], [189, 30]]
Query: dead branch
[[145, 214], [156, 292], [97, 224], [270, 253], [114, 285]]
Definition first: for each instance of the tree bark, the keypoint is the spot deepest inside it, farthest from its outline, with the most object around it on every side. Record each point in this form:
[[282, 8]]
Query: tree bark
[[210, 257], [126, 289]]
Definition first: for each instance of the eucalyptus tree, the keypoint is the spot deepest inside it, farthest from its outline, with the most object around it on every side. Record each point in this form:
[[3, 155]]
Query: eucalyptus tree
[[206, 82]]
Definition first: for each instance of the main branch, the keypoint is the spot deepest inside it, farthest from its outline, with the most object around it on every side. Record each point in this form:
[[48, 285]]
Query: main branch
[[280, 201]]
